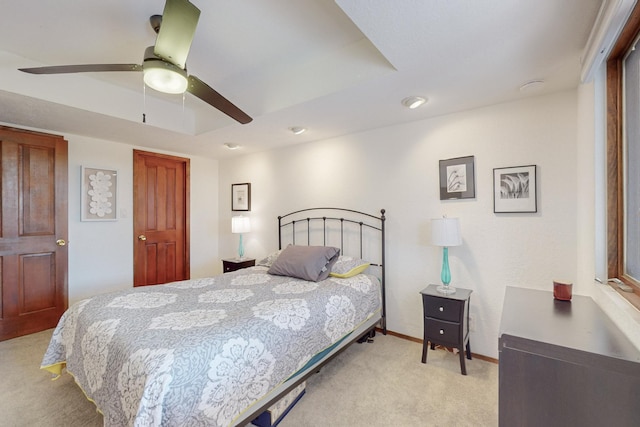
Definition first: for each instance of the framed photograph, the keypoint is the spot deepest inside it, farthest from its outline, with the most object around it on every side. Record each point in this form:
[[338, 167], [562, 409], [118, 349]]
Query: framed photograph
[[99, 198], [457, 179], [241, 197], [514, 189]]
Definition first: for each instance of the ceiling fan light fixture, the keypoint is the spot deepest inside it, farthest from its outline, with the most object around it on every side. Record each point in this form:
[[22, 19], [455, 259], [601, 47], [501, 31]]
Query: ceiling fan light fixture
[[412, 102], [164, 76]]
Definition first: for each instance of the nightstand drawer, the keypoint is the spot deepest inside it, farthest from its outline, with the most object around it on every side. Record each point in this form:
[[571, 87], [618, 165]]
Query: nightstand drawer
[[229, 265], [442, 332], [442, 308]]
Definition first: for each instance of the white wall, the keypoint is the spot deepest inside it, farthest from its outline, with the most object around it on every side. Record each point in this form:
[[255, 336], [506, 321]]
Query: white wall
[[396, 168], [101, 253]]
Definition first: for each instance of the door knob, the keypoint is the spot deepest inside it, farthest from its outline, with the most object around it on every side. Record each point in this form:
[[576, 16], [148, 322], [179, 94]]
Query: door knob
[[60, 242], [142, 237]]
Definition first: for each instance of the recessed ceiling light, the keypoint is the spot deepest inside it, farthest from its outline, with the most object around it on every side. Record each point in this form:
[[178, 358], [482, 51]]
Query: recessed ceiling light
[[532, 85], [297, 130], [231, 146], [413, 101]]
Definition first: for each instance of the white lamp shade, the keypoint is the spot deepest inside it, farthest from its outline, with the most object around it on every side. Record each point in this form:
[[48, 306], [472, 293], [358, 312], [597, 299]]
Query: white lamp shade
[[240, 224], [446, 232]]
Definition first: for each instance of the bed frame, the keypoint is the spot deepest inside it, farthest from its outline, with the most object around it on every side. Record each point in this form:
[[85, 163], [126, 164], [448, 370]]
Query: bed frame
[[349, 230], [318, 223]]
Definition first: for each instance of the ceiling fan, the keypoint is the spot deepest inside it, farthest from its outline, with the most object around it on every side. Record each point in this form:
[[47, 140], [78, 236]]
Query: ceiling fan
[[164, 65]]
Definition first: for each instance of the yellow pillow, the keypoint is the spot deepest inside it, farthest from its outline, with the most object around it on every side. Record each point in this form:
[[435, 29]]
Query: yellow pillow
[[348, 267]]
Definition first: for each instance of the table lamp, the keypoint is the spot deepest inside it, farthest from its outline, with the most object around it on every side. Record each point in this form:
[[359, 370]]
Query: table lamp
[[240, 224], [445, 232]]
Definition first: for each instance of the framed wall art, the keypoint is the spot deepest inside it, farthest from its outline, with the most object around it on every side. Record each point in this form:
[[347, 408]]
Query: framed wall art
[[241, 197], [514, 189], [457, 179], [99, 198]]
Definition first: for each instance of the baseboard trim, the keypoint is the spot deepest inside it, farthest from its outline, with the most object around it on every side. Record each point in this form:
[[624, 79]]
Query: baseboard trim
[[419, 341]]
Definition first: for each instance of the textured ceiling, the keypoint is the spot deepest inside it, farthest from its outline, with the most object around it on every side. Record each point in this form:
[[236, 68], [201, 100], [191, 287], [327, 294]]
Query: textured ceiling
[[332, 67]]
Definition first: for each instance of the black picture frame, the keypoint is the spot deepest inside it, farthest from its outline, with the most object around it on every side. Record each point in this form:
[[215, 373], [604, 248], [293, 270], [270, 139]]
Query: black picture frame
[[241, 197], [457, 178]]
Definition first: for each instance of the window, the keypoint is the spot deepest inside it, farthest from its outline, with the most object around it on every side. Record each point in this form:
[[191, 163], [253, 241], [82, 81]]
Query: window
[[623, 157], [631, 163]]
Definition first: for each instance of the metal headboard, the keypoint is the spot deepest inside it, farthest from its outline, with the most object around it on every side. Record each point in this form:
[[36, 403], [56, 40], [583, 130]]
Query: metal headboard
[[349, 222]]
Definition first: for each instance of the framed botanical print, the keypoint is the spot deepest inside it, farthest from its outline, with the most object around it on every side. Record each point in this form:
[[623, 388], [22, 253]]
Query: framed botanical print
[[241, 197], [457, 179], [514, 189]]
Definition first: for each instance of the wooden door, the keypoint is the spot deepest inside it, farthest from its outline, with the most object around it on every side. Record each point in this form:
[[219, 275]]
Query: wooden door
[[161, 218], [33, 232]]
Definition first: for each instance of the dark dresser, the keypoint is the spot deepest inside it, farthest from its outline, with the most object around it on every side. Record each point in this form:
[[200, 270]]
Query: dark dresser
[[564, 363]]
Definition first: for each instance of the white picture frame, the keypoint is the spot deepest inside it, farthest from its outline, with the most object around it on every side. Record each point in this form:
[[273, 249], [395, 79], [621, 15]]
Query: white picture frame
[[99, 194], [515, 189]]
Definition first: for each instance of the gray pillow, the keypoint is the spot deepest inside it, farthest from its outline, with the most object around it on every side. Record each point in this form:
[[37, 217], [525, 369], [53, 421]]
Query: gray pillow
[[311, 263]]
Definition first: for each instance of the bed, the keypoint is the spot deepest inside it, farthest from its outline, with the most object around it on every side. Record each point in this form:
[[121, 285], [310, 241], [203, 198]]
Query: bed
[[221, 350]]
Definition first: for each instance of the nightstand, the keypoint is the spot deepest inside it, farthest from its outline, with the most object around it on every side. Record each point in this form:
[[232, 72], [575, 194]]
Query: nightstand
[[236, 264], [446, 321]]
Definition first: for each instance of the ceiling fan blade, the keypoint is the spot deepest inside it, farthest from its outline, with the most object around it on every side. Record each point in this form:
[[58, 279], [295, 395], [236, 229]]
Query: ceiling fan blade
[[203, 91], [179, 21], [86, 68]]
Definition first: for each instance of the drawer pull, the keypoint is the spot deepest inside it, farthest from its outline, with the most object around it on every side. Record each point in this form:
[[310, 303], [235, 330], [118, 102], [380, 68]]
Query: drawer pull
[[441, 308], [441, 331]]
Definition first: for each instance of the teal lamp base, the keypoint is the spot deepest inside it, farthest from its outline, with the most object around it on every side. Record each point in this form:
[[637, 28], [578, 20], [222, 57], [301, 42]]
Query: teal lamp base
[[445, 276], [240, 249]]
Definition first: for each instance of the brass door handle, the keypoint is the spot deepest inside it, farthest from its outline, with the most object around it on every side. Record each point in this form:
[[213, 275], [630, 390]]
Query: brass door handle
[[142, 237], [60, 242]]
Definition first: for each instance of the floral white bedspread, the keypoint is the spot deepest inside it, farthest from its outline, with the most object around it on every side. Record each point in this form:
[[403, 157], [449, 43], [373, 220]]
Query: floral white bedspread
[[200, 352]]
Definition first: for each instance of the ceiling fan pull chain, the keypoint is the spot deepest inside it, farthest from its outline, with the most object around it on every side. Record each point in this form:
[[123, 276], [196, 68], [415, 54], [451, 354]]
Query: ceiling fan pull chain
[[144, 103], [183, 98]]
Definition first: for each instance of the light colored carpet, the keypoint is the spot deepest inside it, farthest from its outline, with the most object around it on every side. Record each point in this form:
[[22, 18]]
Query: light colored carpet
[[378, 384], [28, 396]]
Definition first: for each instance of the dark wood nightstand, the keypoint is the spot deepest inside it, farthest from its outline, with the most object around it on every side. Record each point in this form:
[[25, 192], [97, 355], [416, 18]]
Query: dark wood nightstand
[[236, 264], [446, 321]]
